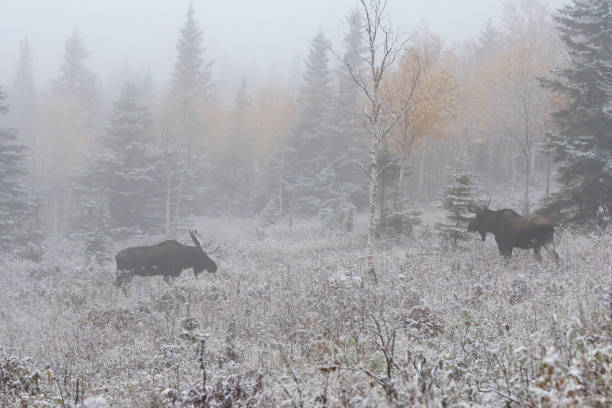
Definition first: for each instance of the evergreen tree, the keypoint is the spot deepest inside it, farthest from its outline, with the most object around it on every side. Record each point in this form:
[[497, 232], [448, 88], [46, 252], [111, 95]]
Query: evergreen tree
[[187, 164], [581, 144], [456, 199], [349, 144], [237, 176], [489, 41], [123, 178], [15, 211], [75, 78], [97, 222], [147, 88], [309, 149], [23, 96], [273, 195], [486, 154]]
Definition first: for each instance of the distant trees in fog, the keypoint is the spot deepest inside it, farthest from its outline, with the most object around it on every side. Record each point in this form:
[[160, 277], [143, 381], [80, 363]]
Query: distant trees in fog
[[15, 207], [150, 162]]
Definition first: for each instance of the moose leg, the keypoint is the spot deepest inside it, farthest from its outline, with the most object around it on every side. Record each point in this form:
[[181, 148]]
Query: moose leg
[[550, 248], [505, 251], [124, 277], [537, 252], [171, 274]]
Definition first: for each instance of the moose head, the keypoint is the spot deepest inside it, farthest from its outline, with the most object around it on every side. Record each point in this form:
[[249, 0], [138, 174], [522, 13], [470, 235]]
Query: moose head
[[481, 222], [200, 258]]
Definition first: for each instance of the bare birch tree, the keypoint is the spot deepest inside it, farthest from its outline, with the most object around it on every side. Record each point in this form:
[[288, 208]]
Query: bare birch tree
[[384, 45]]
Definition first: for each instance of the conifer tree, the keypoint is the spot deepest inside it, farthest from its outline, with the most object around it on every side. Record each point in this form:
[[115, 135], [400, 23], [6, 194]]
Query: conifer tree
[[187, 163], [456, 199], [71, 115], [581, 144], [272, 199], [123, 177], [237, 176], [309, 148], [147, 88], [15, 211], [348, 145], [23, 96], [489, 40], [75, 78]]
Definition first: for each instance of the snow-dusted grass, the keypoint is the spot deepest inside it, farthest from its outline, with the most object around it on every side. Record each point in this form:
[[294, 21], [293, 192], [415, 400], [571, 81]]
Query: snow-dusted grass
[[291, 319]]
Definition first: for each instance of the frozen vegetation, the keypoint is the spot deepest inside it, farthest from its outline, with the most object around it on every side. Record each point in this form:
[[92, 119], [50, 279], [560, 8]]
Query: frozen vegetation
[[291, 320], [341, 197]]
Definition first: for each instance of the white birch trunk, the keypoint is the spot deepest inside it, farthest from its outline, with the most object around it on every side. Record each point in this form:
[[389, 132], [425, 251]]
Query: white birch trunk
[[372, 213]]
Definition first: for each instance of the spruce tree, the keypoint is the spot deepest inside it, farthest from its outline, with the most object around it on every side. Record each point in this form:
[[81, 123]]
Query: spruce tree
[[456, 199], [309, 149], [237, 175], [273, 195], [75, 78], [581, 143], [489, 41], [147, 88], [349, 144], [15, 211], [124, 176], [189, 176], [22, 96]]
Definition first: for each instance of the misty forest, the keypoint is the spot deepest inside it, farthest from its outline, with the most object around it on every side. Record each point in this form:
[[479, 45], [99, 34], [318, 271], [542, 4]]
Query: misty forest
[[403, 219]]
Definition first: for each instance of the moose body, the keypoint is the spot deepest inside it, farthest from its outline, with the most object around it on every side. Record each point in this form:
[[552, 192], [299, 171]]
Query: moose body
[[512, 230], [167, 259]]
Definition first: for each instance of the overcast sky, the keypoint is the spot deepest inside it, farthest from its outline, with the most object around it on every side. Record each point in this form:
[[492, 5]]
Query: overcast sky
[[240, 35]]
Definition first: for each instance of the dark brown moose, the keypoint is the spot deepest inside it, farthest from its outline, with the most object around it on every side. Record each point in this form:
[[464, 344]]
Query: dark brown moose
[[512, 230], [167, 259]]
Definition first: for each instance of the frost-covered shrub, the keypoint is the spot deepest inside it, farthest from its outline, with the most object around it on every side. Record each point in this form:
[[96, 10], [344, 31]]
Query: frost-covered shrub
[[16, 378], [230, 391], [466, 329], [399, 223]]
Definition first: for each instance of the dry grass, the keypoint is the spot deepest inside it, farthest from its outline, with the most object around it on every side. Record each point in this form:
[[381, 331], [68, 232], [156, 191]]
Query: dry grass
[[291, 320]]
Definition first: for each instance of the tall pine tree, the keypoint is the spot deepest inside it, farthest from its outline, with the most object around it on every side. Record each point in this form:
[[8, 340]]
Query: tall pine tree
[[349, 144], [15, 211], [123, 178], [189, 190], [581, 144], [309, 149], [75, 78], [23, 96], [237, 164]]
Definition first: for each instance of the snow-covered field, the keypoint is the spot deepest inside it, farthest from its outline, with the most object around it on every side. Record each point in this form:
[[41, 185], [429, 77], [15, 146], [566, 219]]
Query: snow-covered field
[[290, 319]]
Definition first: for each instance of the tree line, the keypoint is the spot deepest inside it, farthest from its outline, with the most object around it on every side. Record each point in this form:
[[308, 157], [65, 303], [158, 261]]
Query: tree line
[[524, 109]]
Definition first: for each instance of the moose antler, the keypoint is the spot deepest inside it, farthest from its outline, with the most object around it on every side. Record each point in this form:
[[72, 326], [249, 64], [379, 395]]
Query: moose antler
[[478, 208], [474, 209], [194, 238], [206, 247]]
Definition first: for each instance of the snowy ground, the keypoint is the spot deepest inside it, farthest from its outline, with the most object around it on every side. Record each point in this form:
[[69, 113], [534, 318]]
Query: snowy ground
[[290, 320]]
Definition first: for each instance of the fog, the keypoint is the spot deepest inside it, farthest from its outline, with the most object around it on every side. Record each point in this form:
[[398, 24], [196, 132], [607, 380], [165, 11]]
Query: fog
[[244, 37], [274, 203]]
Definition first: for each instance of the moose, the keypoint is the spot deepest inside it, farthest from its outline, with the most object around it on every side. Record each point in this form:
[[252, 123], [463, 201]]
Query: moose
[[167, 259], [512, 230]]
